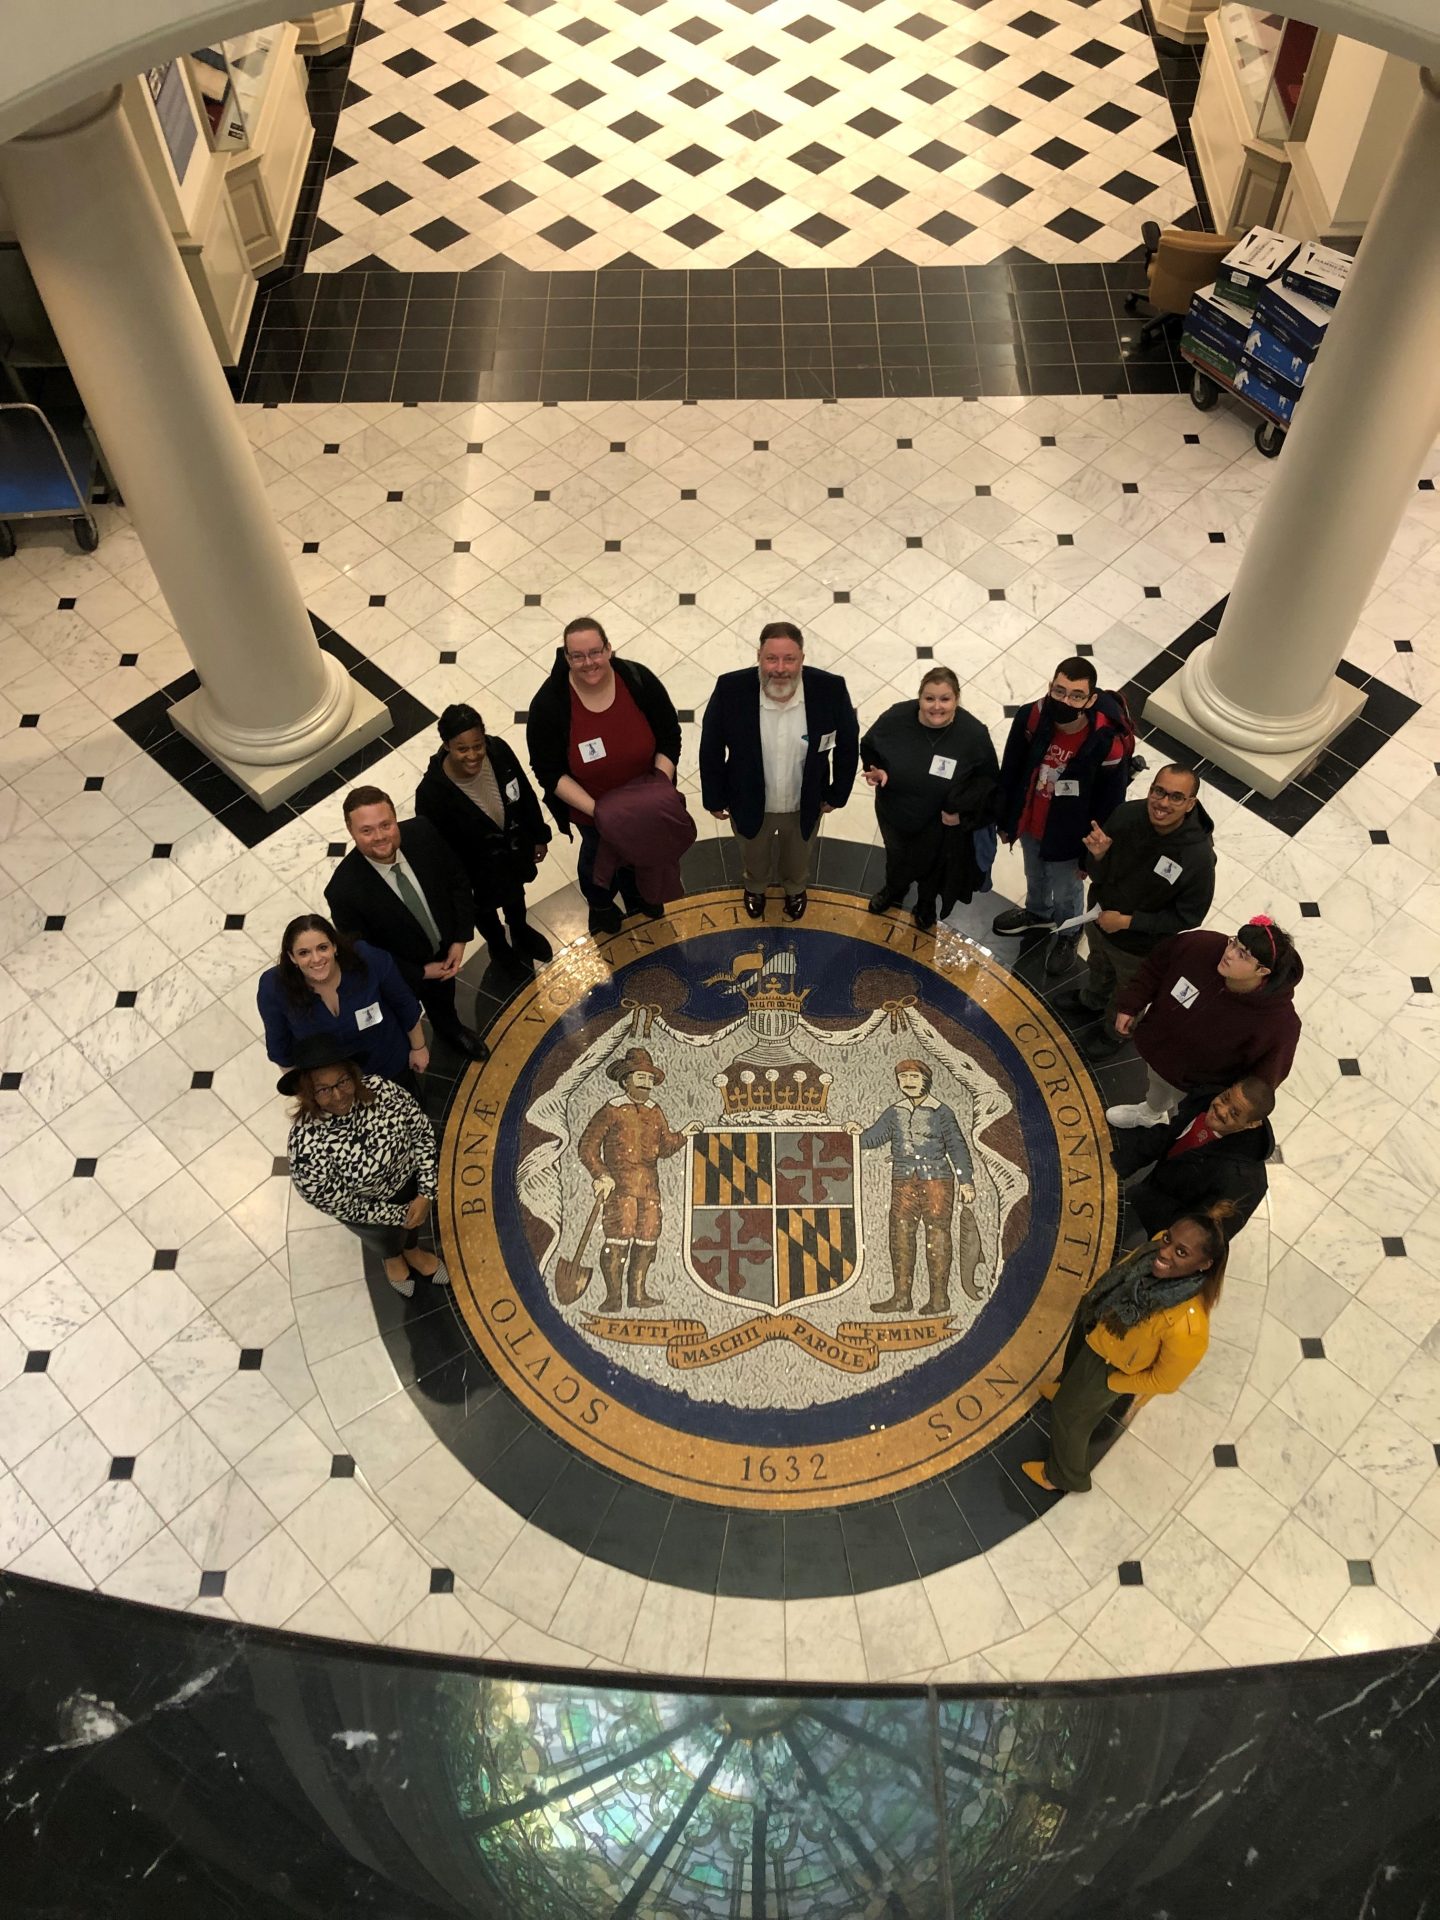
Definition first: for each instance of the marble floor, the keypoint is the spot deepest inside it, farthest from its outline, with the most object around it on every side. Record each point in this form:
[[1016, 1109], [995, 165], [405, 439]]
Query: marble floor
[[196, 1409], [673, 134]]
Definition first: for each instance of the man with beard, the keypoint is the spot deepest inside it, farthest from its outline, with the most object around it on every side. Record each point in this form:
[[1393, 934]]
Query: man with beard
[[778, 748]]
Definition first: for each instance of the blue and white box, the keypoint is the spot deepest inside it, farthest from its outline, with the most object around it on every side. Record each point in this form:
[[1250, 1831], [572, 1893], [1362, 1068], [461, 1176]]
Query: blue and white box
[[1252, 262], [1266, 390], [1273, 354], [1294, 318], [1319, 273]]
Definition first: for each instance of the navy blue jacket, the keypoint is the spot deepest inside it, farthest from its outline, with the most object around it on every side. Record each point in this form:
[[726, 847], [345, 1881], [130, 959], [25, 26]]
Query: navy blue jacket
[[732, 767], [1102, 788]]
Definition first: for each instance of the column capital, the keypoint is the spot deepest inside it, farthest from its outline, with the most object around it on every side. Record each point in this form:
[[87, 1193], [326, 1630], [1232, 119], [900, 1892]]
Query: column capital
[[72, 119]]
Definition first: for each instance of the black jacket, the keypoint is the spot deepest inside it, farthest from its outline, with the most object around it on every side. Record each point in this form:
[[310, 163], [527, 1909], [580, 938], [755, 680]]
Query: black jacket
[[367, 907], [1129, 878], [547, 730], [1102, 788], [497, 857], [913, 797], [732, 766], [1230, 1168]]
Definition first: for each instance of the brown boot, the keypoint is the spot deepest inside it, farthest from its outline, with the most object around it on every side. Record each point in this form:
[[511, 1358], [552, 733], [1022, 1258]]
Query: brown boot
[[612, 1266], [937, 1304], [900, 1301], [641, 1260]]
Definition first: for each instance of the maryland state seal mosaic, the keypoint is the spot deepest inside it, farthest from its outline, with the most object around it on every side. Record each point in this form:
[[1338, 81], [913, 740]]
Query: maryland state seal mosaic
[[775, 1217]]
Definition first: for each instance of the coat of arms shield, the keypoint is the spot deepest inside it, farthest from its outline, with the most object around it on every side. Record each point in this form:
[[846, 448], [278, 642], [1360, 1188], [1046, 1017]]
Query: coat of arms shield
[[773, 1215]]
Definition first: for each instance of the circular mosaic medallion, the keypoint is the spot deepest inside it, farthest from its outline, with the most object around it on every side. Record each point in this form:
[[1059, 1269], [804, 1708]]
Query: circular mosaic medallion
[[775, 1217]]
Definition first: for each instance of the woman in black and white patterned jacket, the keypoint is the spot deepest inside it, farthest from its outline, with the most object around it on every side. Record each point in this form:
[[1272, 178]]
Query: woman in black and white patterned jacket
[[362, 1150]]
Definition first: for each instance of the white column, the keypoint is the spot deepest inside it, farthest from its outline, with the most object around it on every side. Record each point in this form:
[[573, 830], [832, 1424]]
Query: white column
[[1261, 699], [273, 709]]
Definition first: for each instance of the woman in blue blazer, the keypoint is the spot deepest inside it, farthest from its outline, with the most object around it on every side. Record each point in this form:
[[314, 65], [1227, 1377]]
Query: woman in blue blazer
[[351, 991]]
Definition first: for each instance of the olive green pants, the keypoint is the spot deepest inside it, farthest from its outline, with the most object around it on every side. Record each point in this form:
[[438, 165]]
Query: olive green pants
[[1077, 1409]]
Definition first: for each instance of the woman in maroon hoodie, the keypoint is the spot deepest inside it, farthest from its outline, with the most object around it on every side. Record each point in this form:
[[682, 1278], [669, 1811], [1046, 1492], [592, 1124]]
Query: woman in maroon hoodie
[[1206, 1010]]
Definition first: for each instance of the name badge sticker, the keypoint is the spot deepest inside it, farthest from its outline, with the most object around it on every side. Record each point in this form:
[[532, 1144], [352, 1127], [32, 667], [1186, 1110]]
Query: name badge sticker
[[370, 1016], [512, 789], [592, 750], [1067, 789], [1168, 869], [827, 742], [942, 766], [1183, 991]]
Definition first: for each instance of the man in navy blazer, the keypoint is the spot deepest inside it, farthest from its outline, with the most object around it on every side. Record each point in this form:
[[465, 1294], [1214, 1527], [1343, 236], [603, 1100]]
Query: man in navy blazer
[[778, 748], [413, 902]]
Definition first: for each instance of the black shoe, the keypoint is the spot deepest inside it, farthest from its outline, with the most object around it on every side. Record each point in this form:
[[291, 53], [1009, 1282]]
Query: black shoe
[[605, 920], [508, 959], [465, 1041], [534, 945], [795, 905], [882, 901], [755, 905], [650, 911], [1072, 1000], [1103, 1045], [1059, 959], [1018, 920], [924, 916]]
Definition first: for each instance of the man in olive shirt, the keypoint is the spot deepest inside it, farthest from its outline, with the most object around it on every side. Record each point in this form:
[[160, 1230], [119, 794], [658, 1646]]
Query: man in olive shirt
[[1152, 874]]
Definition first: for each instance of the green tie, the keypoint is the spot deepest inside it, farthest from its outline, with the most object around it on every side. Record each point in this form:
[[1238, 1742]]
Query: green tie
[[414, 901]]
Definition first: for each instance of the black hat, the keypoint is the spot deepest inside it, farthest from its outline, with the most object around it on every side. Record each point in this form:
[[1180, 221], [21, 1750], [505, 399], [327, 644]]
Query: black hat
[[314, 1050], [459, 718]]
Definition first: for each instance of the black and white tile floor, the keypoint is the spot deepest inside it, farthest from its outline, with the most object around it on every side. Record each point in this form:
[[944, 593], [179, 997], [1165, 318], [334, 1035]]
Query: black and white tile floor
[[195, 1408], [701, 132]]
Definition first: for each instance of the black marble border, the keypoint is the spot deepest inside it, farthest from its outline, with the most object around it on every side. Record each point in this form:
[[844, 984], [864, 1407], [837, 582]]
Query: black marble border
[[755, 331], [1385, 711], [148, 724], [689, 1543]]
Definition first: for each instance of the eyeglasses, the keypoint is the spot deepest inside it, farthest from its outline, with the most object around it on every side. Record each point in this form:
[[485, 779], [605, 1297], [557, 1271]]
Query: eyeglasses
[[1072, 696], [1168, 797], [587, 659], [330, 1092]]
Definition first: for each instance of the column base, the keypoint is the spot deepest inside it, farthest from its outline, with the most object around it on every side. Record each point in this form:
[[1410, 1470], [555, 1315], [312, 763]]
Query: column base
[[1267, 773], [271, 785], [1183, 20]]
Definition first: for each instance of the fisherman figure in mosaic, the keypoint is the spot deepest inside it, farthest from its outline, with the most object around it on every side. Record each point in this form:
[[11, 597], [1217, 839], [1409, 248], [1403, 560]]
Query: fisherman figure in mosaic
[[930, 1168], [621, 1149]]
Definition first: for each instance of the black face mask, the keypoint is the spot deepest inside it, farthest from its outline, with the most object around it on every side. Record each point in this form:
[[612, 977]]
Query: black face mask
[[1061, 710]]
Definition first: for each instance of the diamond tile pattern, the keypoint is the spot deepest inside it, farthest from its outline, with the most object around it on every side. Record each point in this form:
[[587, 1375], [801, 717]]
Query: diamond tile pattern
[[895, 520], [522, 128]]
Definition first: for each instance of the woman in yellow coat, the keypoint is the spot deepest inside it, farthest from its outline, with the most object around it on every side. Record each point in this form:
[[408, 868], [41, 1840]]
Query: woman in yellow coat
[[1144, 1327]]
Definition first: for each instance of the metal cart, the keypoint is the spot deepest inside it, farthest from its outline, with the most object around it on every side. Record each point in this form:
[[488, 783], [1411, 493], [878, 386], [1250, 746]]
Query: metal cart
[[1206, 386], [38, 469]]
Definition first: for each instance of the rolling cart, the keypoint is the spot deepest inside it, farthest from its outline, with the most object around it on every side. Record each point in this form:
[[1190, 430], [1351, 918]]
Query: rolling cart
[[1206, 386], [38, 474]]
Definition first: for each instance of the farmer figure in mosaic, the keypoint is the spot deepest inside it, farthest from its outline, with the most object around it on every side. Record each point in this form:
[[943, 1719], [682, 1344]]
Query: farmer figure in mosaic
[[621, 1149], [930, 1164]]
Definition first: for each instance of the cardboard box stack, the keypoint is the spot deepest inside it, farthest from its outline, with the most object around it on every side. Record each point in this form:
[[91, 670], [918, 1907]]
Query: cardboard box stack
[[1260, 326]]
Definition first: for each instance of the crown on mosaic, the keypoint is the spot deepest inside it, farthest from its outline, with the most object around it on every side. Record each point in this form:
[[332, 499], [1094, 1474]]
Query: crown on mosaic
[[796, 1086]]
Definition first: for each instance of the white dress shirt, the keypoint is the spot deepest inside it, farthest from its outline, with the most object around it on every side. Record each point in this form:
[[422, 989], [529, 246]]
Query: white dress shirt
[[783, 741]]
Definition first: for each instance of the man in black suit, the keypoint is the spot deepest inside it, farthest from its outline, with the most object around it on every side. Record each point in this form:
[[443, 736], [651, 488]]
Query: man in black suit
[[414, 903], [1214, 1149], [778, 748]]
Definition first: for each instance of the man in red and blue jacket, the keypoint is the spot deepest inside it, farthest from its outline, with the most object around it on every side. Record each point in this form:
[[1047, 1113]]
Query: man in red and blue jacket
[[1066, 763]]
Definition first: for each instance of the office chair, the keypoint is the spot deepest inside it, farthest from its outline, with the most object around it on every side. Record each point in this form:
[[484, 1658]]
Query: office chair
[[1177, 263]]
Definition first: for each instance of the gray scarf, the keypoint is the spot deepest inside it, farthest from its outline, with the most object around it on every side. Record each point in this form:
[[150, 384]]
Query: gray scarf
[[1130, 1292]]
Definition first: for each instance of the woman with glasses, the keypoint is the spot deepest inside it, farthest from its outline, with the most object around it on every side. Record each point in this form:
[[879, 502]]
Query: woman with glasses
[[1207, 1010], [1142, 1328], [598, 724], [1152, 874], [934, 771], [362, 1151]]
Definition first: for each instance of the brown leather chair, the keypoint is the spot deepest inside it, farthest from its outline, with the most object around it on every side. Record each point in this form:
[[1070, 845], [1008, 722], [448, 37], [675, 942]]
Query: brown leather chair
[[1178, 263]]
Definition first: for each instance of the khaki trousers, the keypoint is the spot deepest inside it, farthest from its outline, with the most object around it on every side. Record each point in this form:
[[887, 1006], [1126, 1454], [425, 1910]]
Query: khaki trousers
[[779, 851]]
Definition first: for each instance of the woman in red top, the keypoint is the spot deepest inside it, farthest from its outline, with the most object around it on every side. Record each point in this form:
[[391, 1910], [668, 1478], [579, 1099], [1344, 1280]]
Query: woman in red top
[[597, 724], [1207, 1011]]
